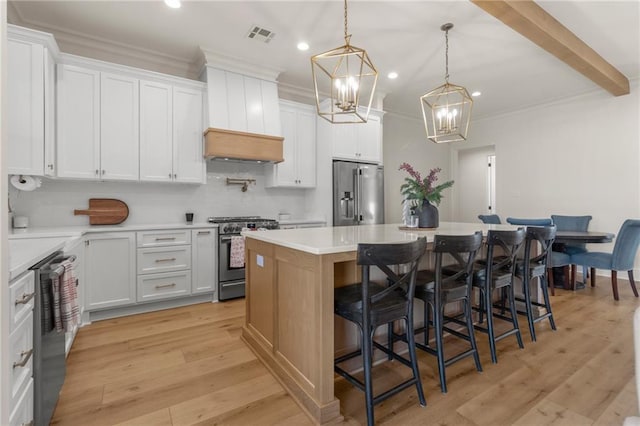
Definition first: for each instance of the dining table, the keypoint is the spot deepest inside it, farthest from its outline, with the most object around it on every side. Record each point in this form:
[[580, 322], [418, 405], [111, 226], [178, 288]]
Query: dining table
[[579, 237]]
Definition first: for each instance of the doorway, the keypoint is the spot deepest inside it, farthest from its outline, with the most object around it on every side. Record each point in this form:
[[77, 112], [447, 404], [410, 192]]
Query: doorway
[[475, 183]]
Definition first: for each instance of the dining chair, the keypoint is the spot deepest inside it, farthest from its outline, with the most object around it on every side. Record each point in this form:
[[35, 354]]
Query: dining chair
[[621, 259], [529, 222], [490, 218], [437, 289], [370, 305], [497, 272], [534, 267], [573, 223]]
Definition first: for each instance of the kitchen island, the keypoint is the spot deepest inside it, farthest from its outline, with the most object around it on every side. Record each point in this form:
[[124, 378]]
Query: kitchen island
[[290, 278]]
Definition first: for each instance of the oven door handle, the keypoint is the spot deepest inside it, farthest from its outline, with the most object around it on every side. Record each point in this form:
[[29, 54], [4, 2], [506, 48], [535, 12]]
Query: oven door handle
[[225, 239]]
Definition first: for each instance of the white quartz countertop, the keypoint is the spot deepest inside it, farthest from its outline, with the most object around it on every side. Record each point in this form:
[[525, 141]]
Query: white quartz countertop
[[24, 253], [341, 239], [77, 231]]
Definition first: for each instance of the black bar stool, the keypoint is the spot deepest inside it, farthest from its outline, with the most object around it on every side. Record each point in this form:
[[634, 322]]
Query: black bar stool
[[370, 305], [535, 267], [437, 288], [497, 272]]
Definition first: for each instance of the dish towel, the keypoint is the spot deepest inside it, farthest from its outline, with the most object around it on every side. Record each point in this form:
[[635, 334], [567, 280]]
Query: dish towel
[[66, 313], [236, 259]]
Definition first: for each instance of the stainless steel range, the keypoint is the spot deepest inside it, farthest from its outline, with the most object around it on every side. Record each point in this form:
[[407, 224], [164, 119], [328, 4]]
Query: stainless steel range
[[231, 279]]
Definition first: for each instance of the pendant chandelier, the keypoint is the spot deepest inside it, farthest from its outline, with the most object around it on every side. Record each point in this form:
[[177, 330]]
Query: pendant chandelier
[[348, 76], [447, 109]]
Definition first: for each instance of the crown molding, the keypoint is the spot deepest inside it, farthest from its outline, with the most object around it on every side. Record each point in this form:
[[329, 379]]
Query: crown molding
[[99, 48], [238, 65], [15, 32]]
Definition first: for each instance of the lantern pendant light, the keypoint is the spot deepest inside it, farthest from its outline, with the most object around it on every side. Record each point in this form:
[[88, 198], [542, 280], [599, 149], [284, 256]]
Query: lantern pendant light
[[347, 75], [447, 109]]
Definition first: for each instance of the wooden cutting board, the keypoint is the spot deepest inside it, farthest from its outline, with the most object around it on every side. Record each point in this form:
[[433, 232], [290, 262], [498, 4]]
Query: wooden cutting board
[[105, 211]]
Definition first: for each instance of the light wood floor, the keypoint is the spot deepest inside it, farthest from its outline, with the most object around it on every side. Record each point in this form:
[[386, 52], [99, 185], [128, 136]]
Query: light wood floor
[[189, 366]]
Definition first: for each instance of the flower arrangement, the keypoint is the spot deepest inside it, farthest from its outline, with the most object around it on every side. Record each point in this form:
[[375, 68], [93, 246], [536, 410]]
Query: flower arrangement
[[416, 190]]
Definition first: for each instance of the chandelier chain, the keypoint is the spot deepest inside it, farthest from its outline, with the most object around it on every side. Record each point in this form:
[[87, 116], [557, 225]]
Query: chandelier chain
[[446, 56], [346, 36]]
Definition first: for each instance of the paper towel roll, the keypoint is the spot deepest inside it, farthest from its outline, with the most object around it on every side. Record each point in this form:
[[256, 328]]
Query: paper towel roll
[[25, 183]]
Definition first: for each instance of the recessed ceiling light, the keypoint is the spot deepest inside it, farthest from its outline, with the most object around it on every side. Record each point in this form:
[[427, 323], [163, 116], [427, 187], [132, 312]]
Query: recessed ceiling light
[[303, 46], [392, 75], [476, 94], [173, 4]]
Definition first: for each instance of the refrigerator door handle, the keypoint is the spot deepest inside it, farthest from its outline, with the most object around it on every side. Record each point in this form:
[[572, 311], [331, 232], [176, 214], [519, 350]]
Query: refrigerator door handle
[[357, 186]]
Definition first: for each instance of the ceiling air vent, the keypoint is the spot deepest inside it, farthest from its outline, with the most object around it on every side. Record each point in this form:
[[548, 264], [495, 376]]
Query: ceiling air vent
[[262, 34]]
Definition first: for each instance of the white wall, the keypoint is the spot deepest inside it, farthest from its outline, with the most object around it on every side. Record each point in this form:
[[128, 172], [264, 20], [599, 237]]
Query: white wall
[[151, 203], [405, 140]]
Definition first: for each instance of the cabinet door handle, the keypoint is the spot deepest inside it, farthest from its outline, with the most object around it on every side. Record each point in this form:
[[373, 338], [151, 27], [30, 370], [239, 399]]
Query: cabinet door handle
[[166, 285], [175, 176], [204, 232], [25, 299], [172, 259], [169, 175], [25, 355], [97, 172], [103, 171], [166, 239]]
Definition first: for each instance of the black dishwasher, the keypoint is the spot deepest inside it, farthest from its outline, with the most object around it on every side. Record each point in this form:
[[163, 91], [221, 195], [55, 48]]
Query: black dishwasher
[[48, 345]]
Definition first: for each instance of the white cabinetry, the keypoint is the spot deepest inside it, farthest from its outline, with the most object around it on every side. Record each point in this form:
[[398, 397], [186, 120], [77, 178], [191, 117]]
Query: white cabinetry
[[188, 149], [164, 264], [97, 124], [78, 122], [204, 244], [110, 270], [298, 170], [21, 291], [113, 125], [358, 142], [171, 143], [119, 136], [242, 103], [30, 94]]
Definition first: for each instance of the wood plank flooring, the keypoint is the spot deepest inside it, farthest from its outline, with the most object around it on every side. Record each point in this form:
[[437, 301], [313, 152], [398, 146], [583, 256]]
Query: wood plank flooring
[[188, 366]]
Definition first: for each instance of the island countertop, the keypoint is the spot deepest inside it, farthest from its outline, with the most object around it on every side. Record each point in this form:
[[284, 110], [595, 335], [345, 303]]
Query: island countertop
[[340, 239]]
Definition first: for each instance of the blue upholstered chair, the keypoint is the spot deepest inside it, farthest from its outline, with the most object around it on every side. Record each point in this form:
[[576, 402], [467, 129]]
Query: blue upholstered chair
[[490, 218], [621, 259], [530, 222], [573, 223]]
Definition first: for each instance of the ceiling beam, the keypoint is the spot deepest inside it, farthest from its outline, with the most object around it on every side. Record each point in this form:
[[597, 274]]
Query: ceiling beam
[[533, 22]]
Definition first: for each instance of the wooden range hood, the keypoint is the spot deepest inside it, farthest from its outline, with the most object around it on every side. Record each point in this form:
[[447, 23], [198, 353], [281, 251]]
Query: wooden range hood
[[234, 145]]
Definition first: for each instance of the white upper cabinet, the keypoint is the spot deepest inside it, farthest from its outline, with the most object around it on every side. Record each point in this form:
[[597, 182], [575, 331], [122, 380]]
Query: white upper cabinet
[[119, 136], [298, 170], [171, 141], [188, 161], [358, 141], [78, 122], [156, 131], [30, 98], [242, 103]]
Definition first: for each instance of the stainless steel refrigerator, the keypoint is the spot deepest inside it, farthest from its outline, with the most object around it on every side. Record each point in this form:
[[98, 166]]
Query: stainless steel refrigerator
[[358, 193]]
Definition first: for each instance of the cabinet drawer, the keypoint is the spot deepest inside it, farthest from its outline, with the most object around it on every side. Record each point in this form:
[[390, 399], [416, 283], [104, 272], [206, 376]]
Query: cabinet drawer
[[22, 292], [164, 238], [22, 412], [164, 259], [21, 359], [163, 286]]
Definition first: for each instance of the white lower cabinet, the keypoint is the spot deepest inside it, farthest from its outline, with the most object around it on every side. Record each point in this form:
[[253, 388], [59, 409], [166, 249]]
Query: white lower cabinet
[[21, 343], [163, 285], [204, 245], [110, 270], [164, 264], [22, 411]]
